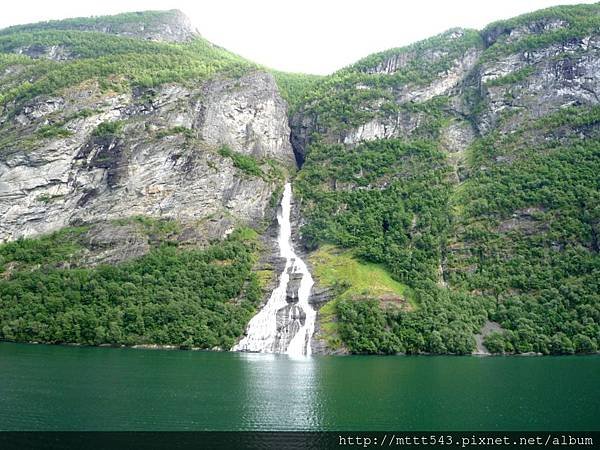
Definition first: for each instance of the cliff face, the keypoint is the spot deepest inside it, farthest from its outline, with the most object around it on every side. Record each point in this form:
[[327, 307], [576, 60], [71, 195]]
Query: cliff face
[[487, 81], [161, 159]]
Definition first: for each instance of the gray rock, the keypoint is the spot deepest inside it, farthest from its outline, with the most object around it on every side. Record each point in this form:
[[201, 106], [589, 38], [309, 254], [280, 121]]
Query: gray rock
[[111, 243], [248, 115], [293, 286], [46, 184]]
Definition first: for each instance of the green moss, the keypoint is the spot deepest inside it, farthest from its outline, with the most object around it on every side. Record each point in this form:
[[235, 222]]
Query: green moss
[[335, 267], [512, 78], [81, 114], [53, 131], [47, 198], [109, 129], [245, 163], [157, 228]]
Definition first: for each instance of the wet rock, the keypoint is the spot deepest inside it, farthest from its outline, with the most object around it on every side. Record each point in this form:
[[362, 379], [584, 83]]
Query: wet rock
[[248, 115], [293, 286], [290, 319], [488, 328]]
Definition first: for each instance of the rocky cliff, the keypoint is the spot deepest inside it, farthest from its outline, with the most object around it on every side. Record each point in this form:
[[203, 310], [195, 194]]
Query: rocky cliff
[[97, 149], [87, 156]]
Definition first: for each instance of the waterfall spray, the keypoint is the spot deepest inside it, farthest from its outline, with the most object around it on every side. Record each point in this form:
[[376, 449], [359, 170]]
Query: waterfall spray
[[286, 323]]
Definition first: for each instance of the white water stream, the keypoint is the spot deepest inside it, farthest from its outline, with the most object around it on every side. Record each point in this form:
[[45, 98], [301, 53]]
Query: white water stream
[[286, 322]]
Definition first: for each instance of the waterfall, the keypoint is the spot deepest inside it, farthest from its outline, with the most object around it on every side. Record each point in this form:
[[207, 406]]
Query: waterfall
[[286, 322]]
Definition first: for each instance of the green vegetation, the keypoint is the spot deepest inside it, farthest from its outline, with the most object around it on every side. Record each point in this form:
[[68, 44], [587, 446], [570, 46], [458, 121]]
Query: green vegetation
[[156, 229], [512, 78], [187, 132], [126, 61], [417, 263], [388, 201], [516, 243], [353, 280], [190, 298], [354, 95], [521, 247], [245, 163], [265, 168], [294, 86], [53, 249], [109, 129], [116, 23], [53, 131], [356, 279], [574, 21], [529, 230]]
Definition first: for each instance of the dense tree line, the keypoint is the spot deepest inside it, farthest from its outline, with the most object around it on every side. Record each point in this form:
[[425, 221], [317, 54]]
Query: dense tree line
[[388, 200], [190, 298], [530, 228], [519, 240]]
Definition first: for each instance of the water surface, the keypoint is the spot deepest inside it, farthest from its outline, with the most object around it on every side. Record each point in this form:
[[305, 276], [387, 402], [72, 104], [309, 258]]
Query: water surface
[[81, 388]]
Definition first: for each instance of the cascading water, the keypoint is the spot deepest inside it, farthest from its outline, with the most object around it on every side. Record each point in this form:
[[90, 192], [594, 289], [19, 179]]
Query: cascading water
[[287, 321]]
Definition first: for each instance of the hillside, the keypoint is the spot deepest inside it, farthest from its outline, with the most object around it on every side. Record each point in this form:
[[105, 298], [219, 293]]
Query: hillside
[[140, 168], [147, 157], [467, 164]]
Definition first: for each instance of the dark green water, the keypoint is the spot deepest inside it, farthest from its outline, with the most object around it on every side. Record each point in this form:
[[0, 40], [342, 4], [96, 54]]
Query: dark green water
[[70, 388]]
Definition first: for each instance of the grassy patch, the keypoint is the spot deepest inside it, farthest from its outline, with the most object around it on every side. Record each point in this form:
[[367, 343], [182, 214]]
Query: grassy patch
[[357, 279], [53, 131], [245, 163], [187, 132], [512, 78], [109, 129], [329, 325], [354, 280]]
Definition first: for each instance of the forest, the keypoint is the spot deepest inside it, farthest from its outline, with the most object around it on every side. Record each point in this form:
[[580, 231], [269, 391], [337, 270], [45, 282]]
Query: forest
[[192, 298]]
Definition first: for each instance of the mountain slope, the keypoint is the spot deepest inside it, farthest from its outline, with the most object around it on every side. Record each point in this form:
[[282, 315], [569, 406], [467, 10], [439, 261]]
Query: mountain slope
[[158, 159], [466, 164]]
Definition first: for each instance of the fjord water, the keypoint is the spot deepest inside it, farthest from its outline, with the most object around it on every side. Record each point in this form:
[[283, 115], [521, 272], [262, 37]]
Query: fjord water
[[84, 388], [282, 326]]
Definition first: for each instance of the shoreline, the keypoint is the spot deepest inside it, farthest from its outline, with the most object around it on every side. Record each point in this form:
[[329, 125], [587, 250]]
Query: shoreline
[[168, 347]]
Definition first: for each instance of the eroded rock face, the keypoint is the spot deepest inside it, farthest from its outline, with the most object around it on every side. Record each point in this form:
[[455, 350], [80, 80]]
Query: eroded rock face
[[248, 115], [170, 26], [483, 92], [163, 162], [407, 121], [544, 80]]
